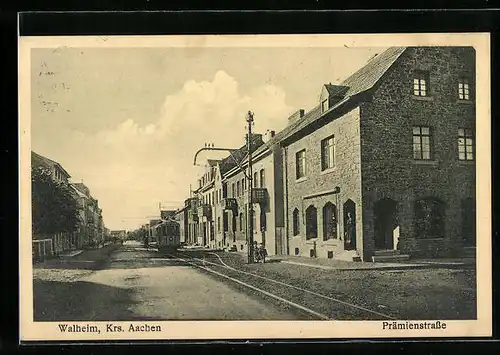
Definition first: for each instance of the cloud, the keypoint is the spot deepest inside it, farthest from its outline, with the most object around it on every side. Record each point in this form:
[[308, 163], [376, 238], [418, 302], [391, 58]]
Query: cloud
[[130, 168]]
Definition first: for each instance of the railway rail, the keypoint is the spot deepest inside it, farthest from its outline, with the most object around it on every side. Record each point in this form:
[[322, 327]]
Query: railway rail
[[310, 304]]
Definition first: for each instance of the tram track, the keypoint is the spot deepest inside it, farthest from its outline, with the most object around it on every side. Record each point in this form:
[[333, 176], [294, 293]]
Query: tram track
[[314, 304]]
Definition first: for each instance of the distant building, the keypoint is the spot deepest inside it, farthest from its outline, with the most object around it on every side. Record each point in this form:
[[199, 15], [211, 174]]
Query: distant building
[[118, 234], [61, 242], [59, 174]]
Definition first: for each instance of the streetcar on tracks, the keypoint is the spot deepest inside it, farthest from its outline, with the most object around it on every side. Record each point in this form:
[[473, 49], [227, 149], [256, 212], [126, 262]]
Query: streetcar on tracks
[[168, 235]]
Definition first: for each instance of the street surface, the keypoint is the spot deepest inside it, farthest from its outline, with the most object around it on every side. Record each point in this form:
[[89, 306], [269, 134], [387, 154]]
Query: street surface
[[129, 282], [139, 284]]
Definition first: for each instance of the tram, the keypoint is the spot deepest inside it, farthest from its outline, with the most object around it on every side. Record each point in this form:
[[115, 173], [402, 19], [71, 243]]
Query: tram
[[168, 235]]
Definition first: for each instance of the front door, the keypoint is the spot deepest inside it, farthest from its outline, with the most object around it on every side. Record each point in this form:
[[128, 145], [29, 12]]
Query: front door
[[349, 225], [385, 223]]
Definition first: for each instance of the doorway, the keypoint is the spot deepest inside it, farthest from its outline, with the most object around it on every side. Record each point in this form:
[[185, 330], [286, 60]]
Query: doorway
[[385, 223], [349, 225]]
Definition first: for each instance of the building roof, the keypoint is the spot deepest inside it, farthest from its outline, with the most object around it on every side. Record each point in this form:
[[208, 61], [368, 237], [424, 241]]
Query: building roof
[[240, 154], [366, 77], [77, 191], [361, 81], [336, 90], [81, 187], [40, 159]]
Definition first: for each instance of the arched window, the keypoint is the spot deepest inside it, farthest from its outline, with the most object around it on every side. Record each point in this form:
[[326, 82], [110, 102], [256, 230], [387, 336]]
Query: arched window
[[329, 221], [311, 222], [296, 225], [429, 218]]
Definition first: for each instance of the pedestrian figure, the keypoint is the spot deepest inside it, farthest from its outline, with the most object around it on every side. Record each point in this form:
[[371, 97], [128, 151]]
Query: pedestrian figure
[[349, 230], [263, 253], [256, 252]]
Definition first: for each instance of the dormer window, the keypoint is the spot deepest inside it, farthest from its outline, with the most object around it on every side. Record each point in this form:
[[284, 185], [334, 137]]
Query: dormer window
[[324, 105], [421, 83]]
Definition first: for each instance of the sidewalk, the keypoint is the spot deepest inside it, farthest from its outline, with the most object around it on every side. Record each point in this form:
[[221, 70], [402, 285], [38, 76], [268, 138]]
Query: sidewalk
[[332, 264], [85, 259]]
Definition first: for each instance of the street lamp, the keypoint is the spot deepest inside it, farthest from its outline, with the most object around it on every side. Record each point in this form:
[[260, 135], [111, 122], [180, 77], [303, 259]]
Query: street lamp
[[250, 120]]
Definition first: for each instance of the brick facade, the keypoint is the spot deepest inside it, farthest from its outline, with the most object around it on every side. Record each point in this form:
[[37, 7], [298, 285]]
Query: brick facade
[[374, 164], [320, 185], [389, 170]]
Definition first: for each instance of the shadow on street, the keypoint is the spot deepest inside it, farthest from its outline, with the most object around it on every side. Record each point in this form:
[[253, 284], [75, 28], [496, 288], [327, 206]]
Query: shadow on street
[[82, 301]]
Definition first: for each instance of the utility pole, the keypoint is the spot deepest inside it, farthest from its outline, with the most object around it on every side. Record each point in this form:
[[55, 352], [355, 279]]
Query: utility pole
[[248, 175], [250, 190]]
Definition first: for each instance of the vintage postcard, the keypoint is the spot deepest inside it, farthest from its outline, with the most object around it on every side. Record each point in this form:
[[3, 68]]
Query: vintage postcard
[[255, 187]]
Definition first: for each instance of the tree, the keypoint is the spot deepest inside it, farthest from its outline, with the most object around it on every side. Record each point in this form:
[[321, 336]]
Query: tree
[[54, 208]]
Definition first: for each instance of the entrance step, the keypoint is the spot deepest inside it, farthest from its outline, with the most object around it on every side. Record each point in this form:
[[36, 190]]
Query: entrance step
[[390, 258], [386, 252]]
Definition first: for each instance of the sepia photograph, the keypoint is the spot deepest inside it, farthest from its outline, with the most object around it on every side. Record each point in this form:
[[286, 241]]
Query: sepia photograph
[[182, 187]]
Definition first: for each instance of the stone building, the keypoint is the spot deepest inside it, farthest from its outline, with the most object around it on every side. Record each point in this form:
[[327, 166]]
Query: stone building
[[60, 242], [190, 235], [384, 166], [232, 197], [181, 216]]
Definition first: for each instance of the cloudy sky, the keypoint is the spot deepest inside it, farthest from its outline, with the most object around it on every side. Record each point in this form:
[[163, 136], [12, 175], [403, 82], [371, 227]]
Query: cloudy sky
[[127, 121]]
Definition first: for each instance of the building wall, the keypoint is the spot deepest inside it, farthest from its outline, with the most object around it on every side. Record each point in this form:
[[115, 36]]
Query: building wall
[[237, 236], [346, 175], [267, 236], [389, 170]]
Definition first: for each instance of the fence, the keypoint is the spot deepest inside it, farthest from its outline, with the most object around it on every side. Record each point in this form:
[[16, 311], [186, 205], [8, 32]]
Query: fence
[[42, 249]]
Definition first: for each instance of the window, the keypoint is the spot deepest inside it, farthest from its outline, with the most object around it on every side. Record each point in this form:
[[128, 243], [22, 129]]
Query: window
[[463, 89], [218, 224], [213, 197], [263, 220], [300, 164], [241, 221], [225, 221], [420, 84], [243, 187], [465, 144], [233, 190], [429, 218], [324, 105], [327, 153], [421, 143], [295, 220], [255, 180], [238, 191], [311, 223], [329, 221], [262, 178]]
